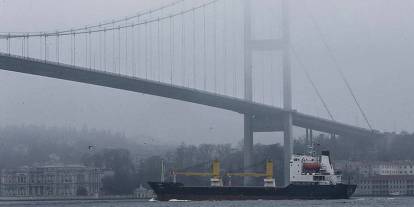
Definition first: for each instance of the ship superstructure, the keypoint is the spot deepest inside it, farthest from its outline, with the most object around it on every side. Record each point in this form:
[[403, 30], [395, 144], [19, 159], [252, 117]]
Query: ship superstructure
[[313, 169]]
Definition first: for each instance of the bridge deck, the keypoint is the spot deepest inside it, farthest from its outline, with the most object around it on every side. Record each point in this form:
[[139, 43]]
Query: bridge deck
[[263, 113]]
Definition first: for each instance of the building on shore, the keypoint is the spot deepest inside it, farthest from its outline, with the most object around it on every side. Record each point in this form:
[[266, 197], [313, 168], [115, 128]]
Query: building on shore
[[51, 181], [386, 185], [394, 178], [387, 168], [143, 193]]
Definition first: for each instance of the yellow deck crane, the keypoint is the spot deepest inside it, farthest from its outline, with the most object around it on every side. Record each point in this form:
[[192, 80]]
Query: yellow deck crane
[[269, 181], [215, 179]]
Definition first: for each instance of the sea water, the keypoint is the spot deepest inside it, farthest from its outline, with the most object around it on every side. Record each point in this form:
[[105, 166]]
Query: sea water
[[357, 202]]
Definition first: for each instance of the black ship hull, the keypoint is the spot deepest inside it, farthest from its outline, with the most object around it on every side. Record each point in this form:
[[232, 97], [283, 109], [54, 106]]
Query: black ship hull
[[170, 191]]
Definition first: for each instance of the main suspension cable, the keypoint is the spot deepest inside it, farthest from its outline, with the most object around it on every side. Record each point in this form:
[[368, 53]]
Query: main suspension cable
[[114, 27], [338, 67], [315, 88], [86, 28]]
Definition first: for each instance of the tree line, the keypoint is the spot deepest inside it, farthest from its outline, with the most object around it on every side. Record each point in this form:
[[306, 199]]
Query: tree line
[[31, 145]]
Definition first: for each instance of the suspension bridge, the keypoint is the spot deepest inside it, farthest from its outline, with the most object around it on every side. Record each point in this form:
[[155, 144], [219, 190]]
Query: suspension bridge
[[195, 51]]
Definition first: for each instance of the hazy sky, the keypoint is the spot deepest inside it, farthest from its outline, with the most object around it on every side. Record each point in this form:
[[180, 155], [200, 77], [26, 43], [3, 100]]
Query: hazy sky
[[371, 39]]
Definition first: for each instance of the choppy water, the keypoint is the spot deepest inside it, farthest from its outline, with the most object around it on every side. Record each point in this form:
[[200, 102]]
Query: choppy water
[[355, 202]]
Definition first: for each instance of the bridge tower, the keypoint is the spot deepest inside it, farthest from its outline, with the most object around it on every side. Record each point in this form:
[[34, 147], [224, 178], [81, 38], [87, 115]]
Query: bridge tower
[[287, 92], [279, 44], [248, 91]]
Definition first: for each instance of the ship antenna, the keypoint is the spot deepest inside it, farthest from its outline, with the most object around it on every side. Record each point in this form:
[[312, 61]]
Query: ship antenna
[[310, 142], [311, 150]]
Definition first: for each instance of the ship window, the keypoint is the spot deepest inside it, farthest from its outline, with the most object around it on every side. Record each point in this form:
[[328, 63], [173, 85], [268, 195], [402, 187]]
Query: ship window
[[318, 178]]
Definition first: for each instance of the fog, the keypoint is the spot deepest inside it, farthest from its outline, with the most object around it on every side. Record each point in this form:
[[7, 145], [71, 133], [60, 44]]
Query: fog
[[371, 39]]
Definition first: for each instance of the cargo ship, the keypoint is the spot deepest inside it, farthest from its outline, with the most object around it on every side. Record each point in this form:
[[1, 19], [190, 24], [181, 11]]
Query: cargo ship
[[311, 177]]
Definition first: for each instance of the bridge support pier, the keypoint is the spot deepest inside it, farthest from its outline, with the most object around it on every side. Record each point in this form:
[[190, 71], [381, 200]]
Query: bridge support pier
[[287, 93], [248, 92], [287, 148], [247, 147], [307, 137], [311, 137]]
